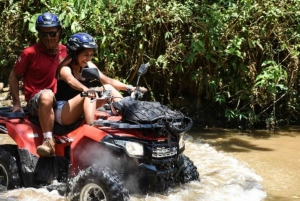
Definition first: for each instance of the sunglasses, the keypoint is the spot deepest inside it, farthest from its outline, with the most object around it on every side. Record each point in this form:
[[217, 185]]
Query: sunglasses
[[51, 34]]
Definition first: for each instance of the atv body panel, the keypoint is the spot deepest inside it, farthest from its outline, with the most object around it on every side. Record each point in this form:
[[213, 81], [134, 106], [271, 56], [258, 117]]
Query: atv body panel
[[110, 142]]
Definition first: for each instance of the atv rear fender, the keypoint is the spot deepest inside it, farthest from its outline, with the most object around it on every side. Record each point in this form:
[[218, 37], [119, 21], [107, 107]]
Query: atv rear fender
[[24, 133]]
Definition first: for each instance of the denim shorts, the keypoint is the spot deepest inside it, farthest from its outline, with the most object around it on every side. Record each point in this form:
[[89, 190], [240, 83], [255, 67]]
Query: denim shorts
[[33, 103], [57, 111]]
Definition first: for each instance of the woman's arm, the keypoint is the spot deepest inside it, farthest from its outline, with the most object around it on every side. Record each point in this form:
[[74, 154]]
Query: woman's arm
[[115, 83], [107, 80], [66, 75]]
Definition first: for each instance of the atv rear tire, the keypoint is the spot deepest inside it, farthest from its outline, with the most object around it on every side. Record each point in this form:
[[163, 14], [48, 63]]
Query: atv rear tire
[[9, 171], [189, 171], [99, 184]]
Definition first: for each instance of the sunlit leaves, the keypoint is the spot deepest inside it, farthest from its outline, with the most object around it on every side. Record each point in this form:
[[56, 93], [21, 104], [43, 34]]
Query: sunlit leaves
[[235, 47], [32, 22], [235, 114], [272, 78], [147, 8]]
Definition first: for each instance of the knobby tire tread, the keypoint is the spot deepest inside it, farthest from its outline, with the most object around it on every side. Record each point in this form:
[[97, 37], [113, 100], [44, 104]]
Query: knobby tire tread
[[12, 169], [108, 179], [189, 171]]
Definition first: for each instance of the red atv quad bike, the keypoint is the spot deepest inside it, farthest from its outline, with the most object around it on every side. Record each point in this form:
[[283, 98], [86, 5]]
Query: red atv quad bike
[[133, 146]]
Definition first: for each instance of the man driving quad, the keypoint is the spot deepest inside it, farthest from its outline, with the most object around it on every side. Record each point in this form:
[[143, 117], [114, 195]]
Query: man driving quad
[[37, 66]]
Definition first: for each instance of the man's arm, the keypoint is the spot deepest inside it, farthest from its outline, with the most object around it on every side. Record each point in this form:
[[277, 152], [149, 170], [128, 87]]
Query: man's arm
[[14, 90]]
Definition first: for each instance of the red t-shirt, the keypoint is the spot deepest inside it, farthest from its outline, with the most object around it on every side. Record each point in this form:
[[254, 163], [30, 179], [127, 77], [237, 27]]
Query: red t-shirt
[[38, 68]]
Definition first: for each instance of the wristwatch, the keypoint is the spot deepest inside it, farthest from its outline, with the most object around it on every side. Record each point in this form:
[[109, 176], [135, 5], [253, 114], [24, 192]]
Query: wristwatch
[[129, 88]]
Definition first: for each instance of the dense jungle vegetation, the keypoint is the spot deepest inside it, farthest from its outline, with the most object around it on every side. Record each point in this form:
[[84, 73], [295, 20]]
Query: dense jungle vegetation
[[225, 63]]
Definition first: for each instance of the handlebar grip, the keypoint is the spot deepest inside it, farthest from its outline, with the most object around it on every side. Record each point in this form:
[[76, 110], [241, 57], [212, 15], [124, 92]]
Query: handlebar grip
[[83, 94], [137, 95]]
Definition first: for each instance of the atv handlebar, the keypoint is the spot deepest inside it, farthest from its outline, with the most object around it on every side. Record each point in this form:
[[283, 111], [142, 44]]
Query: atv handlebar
[[101, 95], [106, 94], [137, 94]]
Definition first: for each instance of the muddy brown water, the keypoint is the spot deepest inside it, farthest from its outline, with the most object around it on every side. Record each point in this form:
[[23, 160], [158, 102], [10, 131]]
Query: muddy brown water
[[274, 155], [233, 165]]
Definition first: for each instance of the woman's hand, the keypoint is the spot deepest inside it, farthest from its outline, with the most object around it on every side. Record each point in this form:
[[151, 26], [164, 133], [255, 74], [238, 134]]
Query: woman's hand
[[141, 89], [91, 93]]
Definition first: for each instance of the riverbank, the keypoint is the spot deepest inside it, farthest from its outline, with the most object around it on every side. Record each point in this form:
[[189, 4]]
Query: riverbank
[[275, 156]]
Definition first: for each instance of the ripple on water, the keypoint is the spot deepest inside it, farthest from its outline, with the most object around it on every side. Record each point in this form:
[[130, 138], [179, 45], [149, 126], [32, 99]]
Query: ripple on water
[[223, 178]]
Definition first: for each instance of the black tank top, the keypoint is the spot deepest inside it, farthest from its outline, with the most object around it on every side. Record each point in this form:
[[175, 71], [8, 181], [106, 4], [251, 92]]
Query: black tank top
[[66, 92]]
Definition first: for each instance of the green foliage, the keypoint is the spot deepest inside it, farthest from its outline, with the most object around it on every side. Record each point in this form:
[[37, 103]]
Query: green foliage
[[271, 80], [238, 57]]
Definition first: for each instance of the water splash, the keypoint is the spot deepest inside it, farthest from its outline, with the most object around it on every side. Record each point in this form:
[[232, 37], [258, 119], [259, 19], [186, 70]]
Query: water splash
[[31, 194], [223, 178]]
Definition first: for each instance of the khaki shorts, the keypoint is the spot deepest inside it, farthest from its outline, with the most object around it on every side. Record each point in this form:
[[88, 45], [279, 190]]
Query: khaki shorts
[[33, 103]]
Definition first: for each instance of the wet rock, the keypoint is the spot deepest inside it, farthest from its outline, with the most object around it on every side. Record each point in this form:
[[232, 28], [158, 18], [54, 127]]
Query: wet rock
[[2, 188], [1, 86], [5, 89], [5, 99]]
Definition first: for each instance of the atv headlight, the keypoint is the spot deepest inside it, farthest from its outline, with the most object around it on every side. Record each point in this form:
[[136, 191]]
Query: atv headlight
[[181, 141], [132, 148]]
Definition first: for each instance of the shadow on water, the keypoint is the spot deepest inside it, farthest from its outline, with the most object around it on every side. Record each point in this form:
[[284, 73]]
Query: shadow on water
[[233, 140], [237, 145]]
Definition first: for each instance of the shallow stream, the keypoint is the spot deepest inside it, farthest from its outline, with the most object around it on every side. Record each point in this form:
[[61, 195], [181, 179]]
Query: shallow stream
[[223, 177], [234, 165]]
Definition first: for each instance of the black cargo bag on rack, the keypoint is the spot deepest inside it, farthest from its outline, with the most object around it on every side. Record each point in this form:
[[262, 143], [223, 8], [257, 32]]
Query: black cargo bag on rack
[[140, 112]]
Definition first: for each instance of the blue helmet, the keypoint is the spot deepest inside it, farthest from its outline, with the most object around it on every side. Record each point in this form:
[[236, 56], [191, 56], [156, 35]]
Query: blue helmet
[[80, 41], [47, 20]]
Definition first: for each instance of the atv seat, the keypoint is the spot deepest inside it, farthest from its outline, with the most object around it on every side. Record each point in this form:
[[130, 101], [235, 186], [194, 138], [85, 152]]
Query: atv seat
[[58, 129], [5, 112]]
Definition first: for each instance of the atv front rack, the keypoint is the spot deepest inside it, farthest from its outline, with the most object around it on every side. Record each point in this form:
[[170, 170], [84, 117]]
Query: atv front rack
[[125, 125]]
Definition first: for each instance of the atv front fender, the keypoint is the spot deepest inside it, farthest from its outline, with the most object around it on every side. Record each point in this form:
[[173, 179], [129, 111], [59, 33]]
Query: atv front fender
[[86, 140], [87, 131]]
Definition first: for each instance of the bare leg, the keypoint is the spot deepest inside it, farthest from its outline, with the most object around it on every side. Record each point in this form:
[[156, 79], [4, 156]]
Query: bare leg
[[114, 93], [76, 107], [45, 111], [72, 110], [89, 110], [46, 117]]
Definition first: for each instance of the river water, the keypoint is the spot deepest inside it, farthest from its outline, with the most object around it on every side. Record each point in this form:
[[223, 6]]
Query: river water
[[274, 155], [223, 178]]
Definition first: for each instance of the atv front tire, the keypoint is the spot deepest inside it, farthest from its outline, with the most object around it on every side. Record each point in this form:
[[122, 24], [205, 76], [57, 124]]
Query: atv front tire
[[189, 171], [9, 171], [96, 183]]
